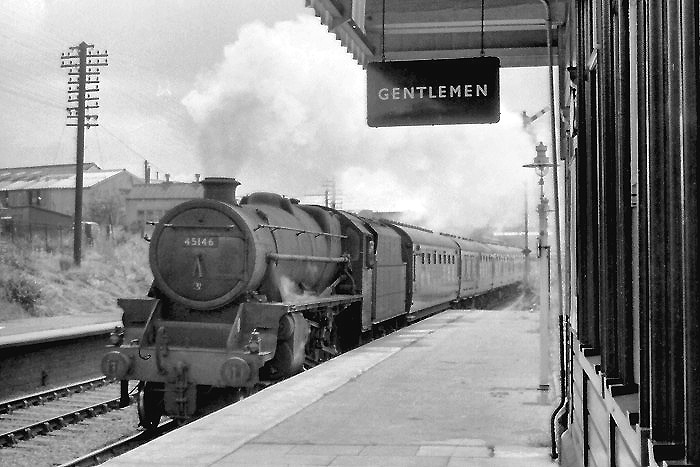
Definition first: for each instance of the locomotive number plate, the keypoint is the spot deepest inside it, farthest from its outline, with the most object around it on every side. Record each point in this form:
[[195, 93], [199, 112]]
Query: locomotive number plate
[[198, 242]]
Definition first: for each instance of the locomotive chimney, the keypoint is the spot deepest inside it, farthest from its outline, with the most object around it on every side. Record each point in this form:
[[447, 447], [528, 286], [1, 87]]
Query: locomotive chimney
[[220, 189]]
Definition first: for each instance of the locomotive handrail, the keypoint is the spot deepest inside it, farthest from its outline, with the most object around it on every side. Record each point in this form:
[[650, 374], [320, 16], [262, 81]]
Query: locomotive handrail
[[192, 226], [320, 259], [298, 231]]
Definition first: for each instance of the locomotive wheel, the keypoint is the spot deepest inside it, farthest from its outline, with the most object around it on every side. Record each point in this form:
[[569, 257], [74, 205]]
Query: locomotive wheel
[[150, 405]]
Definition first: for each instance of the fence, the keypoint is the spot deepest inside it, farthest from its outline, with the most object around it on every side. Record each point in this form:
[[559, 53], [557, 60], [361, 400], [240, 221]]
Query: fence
[[34, 236]]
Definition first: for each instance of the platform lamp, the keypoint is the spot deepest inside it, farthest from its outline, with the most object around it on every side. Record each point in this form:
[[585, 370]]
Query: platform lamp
[[541, 165]]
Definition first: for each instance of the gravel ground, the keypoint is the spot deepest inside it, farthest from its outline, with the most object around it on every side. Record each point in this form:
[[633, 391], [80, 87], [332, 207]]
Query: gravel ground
[[73, 441]]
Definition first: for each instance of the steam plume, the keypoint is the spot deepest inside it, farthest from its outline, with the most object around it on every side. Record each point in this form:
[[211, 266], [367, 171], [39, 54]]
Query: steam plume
[[285, 111]]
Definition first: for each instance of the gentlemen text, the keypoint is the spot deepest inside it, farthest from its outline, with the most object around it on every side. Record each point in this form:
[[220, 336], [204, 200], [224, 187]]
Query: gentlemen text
[[433, 92]]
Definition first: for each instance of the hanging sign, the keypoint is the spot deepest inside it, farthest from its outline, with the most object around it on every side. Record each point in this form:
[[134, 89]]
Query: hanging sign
[[433, 92]]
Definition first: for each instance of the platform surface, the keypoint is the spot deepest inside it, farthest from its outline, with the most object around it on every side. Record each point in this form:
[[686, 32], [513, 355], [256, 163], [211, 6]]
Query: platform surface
[[457, 389], [27, 330]]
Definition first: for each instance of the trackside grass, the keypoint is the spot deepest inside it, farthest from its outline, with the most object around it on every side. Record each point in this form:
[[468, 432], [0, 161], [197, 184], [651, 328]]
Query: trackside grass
[[39, 283]]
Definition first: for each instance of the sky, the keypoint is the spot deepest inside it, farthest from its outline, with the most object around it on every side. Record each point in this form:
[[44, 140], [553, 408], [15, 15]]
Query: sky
[[259, 91]]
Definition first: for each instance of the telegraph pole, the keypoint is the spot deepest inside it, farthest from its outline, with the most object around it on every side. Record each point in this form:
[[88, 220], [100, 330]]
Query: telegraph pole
[[83, 65], [331, 195]]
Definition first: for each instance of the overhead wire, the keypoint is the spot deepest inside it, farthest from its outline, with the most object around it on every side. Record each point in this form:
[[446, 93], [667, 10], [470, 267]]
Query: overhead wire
[[29, 87], [142, 157]]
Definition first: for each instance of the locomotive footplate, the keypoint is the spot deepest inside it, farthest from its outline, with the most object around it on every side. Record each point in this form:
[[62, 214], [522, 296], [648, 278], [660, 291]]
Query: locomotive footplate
[[215, 354], [182, 355]]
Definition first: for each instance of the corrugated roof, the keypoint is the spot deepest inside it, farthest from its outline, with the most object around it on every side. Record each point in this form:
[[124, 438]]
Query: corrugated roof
[[36, 180], [170, 190], [42, 170]]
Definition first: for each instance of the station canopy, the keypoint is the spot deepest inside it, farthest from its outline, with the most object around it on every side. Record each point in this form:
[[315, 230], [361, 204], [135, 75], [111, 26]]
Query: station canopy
[[392, 30]]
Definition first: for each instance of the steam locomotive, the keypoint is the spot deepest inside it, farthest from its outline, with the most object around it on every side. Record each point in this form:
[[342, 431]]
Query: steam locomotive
[[250, 292]]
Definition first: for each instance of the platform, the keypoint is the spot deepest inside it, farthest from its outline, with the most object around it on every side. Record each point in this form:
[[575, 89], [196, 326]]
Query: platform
[[45, 329], [456, 389]]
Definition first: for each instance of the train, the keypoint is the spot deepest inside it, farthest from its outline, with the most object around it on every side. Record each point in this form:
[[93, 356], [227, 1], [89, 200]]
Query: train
[[254, 291]]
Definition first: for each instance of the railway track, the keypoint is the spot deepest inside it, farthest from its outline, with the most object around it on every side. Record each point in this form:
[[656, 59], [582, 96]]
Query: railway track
[[44, 412], [120, 447]]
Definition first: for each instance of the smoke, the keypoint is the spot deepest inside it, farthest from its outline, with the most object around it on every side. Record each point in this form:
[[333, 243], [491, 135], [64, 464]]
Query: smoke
[[285, 111]]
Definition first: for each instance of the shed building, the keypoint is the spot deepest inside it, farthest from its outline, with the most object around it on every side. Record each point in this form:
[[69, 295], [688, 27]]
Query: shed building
[[53, 188], [148, 202]]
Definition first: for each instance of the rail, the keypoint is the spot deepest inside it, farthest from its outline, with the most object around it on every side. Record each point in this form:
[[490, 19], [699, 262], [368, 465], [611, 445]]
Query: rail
[[55, 422], [120, 447]]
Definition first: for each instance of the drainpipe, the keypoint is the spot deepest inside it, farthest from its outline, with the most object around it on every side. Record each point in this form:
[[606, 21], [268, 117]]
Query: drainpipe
[[558, 412]]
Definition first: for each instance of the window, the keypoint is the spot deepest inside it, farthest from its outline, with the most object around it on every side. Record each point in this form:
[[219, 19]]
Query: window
[[34, 197]]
